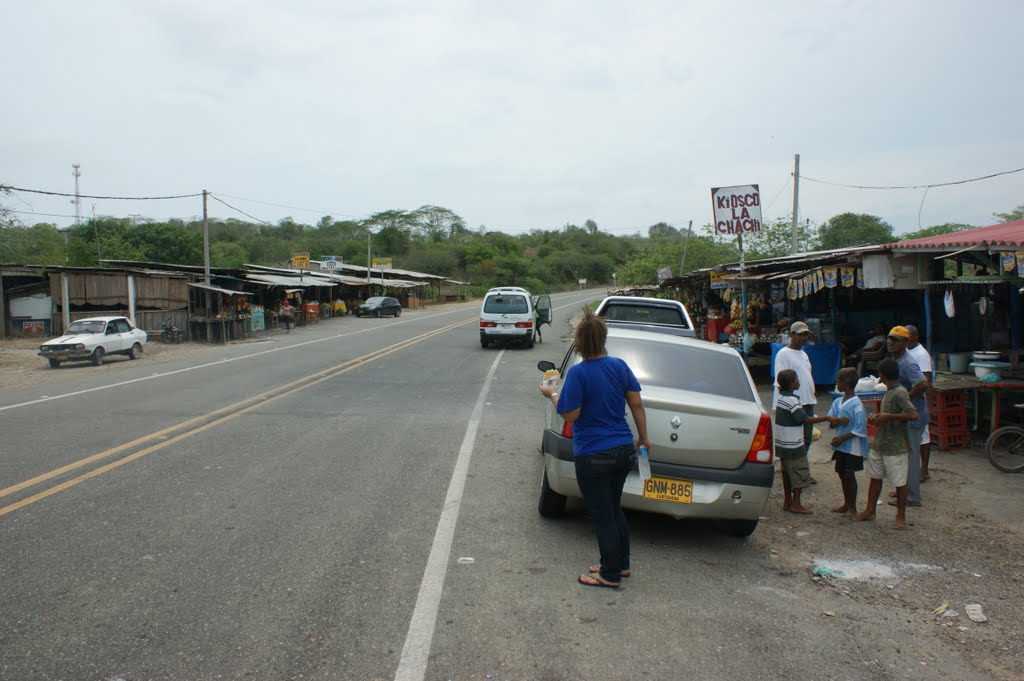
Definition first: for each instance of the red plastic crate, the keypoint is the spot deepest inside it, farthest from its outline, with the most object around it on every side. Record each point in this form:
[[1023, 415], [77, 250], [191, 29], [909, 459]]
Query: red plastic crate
[[948, 399], [948, 439], [949, 419]]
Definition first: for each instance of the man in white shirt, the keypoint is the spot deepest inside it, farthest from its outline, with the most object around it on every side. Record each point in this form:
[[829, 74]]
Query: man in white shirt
[[793, 357], [923, 359]]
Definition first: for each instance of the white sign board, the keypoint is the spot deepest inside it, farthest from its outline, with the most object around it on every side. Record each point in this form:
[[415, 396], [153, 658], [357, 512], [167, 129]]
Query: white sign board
[[737, 209], [583, 282]]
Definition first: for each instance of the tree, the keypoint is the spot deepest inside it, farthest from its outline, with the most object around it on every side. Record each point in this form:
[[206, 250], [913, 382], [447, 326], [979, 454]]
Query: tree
[[1015, 214], [436, 224], [776, 239], [663, 230], [855, 229], [936, 230]]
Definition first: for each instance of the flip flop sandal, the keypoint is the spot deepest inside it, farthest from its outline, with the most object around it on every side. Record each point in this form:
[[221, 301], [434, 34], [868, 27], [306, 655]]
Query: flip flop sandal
[[596, 570], [596, 580]]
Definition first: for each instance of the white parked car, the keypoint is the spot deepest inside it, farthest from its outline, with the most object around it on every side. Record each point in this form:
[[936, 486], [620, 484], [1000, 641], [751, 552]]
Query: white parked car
[[647, 314], [93, 339], [712, 450]]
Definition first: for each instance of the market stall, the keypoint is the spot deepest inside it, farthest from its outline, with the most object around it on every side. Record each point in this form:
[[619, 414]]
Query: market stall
[[218, 314]]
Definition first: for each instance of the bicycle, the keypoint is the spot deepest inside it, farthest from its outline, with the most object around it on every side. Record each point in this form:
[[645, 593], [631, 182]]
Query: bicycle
[[171, 333], [1005, 447]]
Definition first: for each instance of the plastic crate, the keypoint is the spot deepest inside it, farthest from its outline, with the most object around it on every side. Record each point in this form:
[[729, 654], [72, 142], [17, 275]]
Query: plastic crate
[[949, 419], [948, 399], [948, 439]]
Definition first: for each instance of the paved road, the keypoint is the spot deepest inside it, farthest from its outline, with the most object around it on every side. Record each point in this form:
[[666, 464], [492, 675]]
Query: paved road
[[355, 500]]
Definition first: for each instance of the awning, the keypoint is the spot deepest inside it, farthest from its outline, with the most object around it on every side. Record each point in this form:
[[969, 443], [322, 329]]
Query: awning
[[1005, 236], [293, 282], [217, 289]]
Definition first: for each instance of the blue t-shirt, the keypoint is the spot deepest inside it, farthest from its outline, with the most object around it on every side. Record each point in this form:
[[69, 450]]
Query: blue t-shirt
[[597, 387], [853, 411], [911, 375]]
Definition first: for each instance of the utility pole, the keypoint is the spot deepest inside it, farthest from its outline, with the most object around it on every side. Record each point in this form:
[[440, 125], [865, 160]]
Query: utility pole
[[76, 172], [796, 201], [686, 247], [368, 233], [206, 241]]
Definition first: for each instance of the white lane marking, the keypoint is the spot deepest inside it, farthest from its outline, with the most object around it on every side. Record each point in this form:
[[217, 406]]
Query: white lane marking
[[415, 652], [45, 398]]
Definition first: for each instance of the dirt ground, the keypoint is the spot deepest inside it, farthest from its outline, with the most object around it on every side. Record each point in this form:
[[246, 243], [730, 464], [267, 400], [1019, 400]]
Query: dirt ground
[[965, 545], [22, 367]]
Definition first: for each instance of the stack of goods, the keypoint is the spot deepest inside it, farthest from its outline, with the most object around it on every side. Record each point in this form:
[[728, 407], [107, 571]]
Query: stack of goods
[[948, 426]]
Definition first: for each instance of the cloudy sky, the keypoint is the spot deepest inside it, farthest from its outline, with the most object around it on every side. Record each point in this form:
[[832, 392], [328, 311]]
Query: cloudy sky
[[516, 115]]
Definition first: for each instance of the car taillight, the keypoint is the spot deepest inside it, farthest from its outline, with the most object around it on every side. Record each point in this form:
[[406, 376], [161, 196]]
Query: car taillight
[[566, 429], [762, 448], [524, 325], [484, 324]]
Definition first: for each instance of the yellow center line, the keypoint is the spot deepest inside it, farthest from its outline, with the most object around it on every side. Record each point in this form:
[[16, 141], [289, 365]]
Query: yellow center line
[[236, 409]]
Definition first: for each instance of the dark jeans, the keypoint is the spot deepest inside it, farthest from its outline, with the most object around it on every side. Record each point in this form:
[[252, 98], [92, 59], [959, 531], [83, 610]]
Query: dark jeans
[[601, 477], [287, 322]]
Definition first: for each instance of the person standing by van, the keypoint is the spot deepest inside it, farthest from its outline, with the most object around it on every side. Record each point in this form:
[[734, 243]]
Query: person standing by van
[[536, 321], [594, 398]]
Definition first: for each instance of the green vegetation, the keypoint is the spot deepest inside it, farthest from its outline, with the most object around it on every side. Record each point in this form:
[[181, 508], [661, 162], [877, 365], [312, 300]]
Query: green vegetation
[[436, 240]]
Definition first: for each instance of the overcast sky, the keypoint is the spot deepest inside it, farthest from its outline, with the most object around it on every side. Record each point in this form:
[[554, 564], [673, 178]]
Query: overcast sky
[[515, 115]]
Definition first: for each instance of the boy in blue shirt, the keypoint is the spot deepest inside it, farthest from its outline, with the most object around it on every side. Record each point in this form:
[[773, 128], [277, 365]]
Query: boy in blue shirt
[[850, 445]]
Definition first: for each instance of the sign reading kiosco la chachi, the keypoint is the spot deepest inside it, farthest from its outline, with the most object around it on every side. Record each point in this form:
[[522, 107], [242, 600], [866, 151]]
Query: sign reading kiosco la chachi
[[737, 209]]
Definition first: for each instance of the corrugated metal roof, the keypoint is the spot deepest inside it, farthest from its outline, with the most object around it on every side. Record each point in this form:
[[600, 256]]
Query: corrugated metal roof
[[221, 290], [1005, 235], [280, 280]]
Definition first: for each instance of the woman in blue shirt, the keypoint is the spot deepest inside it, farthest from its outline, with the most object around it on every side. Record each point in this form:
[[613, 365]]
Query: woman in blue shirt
[[594, 398]]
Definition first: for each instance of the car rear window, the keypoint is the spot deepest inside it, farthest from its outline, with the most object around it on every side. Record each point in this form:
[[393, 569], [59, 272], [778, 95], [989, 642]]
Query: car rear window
[[644, 314], [685, 368], [506, 304]]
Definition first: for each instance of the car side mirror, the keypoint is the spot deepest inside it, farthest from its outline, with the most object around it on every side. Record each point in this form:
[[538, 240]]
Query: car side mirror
[[545, 365]]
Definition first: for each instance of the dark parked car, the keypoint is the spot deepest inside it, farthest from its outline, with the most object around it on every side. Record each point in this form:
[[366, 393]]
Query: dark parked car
[[379, 306]]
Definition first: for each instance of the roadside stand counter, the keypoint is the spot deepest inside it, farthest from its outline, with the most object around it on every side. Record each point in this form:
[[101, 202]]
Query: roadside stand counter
[[993, 393], [826, 358]]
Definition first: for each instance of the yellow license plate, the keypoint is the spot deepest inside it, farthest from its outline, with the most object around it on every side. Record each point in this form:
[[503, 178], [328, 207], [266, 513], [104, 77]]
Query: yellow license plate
[[668, 489]]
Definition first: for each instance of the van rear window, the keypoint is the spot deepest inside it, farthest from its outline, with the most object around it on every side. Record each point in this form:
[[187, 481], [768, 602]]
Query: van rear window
[[506, 304]]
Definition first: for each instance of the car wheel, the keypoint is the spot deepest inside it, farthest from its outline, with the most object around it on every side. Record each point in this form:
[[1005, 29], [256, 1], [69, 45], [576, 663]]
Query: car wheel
[[738, 528], [135, 352], [97, 356], [398, 312], [54, 363], [551, 503], [377, 314], [529, 344], [483, 343]]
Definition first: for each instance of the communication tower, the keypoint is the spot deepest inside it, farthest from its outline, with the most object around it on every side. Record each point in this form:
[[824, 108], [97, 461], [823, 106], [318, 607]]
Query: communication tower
[[77, 201]]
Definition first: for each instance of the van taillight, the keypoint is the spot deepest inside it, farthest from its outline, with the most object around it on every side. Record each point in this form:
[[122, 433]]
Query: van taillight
[[567, 429], [487, 324], [762, 448], [524, 325]]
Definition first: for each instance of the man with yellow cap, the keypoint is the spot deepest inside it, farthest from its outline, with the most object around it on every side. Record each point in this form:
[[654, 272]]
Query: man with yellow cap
[[917, 385]]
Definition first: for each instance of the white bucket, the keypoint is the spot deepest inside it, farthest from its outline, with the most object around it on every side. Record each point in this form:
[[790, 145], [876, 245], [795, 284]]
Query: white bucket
[[958, 362]]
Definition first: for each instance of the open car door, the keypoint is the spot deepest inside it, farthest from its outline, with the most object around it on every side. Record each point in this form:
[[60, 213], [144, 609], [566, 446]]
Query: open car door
[[545, 313]]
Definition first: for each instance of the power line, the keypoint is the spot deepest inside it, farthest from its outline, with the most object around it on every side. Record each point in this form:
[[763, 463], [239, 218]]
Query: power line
[[913, 186], [251, 217], [281, 205], [108, 198]]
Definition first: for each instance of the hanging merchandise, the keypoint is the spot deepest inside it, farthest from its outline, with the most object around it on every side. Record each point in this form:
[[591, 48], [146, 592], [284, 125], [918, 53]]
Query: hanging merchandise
[[830, 277], [800, 287], [860, 278], [846, 273], [947, 302], [1020, 263], [792, 291], [1008, 260], [819, 279], [809, 284]]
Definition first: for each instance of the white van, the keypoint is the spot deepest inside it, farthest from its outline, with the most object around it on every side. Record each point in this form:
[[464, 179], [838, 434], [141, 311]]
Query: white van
[[506, 315]]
